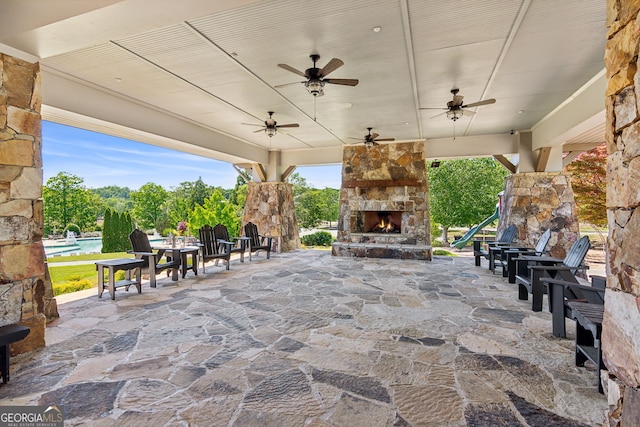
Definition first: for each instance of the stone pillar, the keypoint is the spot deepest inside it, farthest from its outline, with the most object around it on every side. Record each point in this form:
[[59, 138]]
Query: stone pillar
[[620, 337], [26, 296], [536, 201], [270, 206]]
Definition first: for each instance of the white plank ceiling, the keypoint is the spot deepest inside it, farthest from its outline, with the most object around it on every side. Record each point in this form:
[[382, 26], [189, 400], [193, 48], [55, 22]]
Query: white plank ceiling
[[213, 64]]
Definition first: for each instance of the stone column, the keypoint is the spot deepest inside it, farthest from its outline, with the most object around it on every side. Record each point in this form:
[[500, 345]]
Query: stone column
[[26, 296], [537, 201], [620, 336], [270, 206]]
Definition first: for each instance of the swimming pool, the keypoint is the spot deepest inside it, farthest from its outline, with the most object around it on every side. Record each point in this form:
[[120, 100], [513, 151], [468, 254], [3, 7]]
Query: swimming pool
[[86, 245]]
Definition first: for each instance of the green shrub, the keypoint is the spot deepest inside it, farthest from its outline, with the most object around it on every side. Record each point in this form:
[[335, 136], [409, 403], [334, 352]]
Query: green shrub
[[443, 252], [72, 286], [319, 238], [72, 227]]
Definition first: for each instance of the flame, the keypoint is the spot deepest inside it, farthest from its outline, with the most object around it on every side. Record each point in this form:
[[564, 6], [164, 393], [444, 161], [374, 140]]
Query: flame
[[385, 225]]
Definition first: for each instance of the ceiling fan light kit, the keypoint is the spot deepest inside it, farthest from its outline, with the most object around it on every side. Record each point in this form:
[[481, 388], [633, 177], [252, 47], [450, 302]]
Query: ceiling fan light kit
[[314, 87]]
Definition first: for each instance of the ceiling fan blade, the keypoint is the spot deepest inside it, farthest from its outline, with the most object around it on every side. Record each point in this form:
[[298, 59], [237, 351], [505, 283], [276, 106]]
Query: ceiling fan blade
[[331, 66], [479, 103], [468, 112], [293, 70], [251, 124], [432, 108], [457, 100], [259, 130], [385, 139], [345, 82], [287, 84], [290, 125], [438, 115], [374, 135]]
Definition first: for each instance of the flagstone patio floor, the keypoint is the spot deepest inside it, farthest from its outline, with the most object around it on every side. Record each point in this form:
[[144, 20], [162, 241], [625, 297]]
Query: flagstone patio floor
[[307, 339]]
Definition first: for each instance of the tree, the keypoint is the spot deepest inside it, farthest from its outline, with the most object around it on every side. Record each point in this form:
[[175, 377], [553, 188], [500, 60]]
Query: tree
[[464, 192], [216, 209], [116, 230], [313, 205], [185, 197], [66, 200], [589, 184], [114, 197], [148, 204], [113, 191]]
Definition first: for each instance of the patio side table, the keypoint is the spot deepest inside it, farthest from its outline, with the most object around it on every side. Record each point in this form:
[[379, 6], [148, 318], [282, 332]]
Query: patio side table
[[184, 256], [113, 265]]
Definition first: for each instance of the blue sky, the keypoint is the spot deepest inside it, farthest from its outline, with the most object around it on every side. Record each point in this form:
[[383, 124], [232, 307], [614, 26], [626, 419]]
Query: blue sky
[[103, 160]]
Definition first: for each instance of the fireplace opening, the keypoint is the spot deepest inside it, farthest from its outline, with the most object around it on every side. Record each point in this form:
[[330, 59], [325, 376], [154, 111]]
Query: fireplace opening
[[382, 222]]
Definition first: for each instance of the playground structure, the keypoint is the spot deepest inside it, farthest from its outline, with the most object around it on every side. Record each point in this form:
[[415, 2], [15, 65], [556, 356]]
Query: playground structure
[[462, 242]]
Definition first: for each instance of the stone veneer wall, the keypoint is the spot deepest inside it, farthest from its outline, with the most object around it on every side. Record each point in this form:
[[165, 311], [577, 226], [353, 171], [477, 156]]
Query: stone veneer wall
[[270, 207], [26, 295], [386, 177], [621, 324], [537, 201]]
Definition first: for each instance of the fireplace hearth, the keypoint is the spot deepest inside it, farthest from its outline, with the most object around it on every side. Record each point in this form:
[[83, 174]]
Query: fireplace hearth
[[384, 210]]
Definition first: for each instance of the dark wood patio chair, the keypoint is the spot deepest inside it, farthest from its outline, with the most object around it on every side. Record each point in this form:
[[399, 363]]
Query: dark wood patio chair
[[528, 280], [562, 292], [238, 244], [506, 238], [503, 256], [212, 249], [141, 248], [256, 241]]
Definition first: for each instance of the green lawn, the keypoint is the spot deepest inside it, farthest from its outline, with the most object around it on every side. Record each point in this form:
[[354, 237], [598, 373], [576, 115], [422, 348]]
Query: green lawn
[[72, 278], [88, 257]]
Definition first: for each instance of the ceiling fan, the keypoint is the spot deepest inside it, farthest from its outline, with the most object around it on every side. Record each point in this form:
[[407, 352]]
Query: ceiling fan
[[316, 76], [372, 139], [271, 126], [456, 107]]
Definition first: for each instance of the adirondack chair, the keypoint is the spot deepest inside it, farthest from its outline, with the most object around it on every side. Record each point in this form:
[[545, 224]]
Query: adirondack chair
[[257, 242], [141, 248], [238, 244], [562, 292], [506, 238], [212, 249], [545, 266], [505, 255]]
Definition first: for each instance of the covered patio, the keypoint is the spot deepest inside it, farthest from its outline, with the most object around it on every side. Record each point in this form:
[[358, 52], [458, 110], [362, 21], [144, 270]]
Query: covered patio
[[309, 339]]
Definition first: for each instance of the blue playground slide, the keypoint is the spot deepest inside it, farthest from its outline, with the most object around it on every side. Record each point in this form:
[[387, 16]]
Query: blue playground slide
[[460, 243]]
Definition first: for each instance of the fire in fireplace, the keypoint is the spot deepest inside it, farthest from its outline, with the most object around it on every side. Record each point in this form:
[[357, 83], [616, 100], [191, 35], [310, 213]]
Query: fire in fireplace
[[382, 222], [385, 225]]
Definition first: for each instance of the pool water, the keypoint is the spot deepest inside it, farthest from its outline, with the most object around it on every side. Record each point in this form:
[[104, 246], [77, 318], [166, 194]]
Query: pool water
[[87, 245]]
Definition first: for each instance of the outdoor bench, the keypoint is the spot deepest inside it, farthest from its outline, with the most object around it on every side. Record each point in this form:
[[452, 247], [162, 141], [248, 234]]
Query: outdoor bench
[[588, 329], [8, 335]]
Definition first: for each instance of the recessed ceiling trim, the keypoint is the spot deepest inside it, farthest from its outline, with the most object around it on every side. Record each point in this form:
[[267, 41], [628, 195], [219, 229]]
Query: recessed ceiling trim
[[406, 26], [177, 76], [503, 53]]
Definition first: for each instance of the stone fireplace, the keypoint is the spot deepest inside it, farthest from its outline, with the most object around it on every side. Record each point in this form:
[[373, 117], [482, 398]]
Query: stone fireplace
[[384, 208]]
